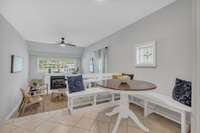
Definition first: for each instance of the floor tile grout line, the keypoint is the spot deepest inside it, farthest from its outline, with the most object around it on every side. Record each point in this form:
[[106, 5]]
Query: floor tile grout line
[[82, 116]]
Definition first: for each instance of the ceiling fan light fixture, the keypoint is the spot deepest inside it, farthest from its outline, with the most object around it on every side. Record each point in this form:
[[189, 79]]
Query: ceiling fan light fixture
[[62, 45]]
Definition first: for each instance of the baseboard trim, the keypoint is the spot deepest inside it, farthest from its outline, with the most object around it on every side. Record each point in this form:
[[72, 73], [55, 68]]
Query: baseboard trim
[[14, 110]]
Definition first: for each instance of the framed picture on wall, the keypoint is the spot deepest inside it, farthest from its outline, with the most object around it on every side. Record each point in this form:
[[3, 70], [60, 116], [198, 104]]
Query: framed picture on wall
[[146, 54], [17, 64]]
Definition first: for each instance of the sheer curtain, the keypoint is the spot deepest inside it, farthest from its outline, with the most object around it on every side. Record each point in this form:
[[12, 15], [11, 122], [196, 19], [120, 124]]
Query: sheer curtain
[[101, 59]]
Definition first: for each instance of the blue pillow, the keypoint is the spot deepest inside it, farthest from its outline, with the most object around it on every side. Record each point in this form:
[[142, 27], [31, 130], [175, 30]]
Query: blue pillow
[[183, 92], [75, 84]]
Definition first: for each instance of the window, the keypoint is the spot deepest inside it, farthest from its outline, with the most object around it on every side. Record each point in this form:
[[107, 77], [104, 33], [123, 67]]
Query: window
[[55, 65], [91, 66], [146, 55]]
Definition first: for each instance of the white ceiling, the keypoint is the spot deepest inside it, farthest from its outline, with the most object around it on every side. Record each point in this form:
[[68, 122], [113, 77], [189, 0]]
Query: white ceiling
[[81, 21]]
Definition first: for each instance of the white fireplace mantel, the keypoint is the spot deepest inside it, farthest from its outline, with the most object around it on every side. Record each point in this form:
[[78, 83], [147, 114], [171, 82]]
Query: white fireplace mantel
[[90, 77], [47, 78]]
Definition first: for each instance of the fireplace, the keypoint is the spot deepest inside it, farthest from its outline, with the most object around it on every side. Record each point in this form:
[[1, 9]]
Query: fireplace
[[57, 82]]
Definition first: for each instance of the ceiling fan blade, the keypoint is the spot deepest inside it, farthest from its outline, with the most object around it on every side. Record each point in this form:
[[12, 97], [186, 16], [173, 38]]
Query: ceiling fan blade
[[62, 43], [70, 44]]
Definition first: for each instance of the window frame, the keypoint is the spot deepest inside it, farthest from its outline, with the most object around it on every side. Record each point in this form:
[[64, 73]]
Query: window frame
[[91, 63], [58, 59], [151, 44]]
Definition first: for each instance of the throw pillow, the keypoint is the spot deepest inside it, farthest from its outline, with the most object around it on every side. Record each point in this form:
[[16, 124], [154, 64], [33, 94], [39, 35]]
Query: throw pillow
[[183, 92], [75, 84]]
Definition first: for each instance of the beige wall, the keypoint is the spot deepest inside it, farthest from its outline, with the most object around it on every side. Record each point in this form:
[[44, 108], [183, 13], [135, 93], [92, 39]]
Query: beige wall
[[11, 43], [171, 27]]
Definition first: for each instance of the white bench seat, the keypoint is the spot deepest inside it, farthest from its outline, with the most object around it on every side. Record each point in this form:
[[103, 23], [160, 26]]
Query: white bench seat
[[168, 103], [94, 94], [167, 100], [86, 92]]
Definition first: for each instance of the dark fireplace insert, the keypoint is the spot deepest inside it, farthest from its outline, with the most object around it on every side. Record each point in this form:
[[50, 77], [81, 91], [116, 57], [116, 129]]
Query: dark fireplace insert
[[58, 82]]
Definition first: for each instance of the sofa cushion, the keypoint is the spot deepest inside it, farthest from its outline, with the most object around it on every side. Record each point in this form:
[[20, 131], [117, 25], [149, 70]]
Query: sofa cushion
[[183, 92], [75, 83], [116, 76]]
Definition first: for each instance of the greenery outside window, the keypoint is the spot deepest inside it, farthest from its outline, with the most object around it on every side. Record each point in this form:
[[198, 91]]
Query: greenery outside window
[[56, 65]]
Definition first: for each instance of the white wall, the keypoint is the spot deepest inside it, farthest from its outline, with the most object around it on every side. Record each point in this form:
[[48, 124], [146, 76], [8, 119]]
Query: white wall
[[171, 27], [37, 50], [11, 43], [196, 70]]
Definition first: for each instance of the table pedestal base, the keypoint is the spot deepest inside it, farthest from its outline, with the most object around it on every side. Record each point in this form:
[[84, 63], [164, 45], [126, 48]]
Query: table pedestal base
[[124, 113]]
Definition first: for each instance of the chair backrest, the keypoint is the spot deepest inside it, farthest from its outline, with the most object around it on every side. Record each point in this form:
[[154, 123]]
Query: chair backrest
[[27, 98], [23, 92]]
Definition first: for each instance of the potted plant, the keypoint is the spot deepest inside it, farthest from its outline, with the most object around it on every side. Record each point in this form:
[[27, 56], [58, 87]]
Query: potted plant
[[34, 85]]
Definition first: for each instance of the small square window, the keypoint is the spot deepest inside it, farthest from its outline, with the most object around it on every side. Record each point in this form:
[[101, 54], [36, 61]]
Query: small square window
[[146, 54]]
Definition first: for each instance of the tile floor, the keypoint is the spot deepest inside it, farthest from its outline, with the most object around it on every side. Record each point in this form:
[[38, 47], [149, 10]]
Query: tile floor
[[93, 121]]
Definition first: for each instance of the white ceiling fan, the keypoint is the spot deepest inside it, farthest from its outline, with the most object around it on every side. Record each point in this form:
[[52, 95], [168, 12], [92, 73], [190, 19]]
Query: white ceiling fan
[[62, 43]]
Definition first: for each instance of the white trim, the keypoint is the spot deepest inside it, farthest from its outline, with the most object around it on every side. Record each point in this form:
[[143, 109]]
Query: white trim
[[14, 110], [143, 45]]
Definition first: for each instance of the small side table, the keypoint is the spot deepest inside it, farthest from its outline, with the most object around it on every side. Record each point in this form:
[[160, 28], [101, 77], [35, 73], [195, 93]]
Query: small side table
[[58, 94]]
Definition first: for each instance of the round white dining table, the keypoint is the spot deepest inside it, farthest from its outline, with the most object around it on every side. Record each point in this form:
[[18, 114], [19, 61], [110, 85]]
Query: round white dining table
[[126, 88]]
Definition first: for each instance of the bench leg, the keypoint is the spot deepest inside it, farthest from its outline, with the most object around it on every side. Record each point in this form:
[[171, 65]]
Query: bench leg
[[113, 98], [146, 110], [68, 103], [95, 100], [71, 102], [183, 123]]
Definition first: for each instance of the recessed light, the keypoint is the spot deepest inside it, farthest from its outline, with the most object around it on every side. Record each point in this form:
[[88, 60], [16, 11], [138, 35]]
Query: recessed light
[[100, 0]]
